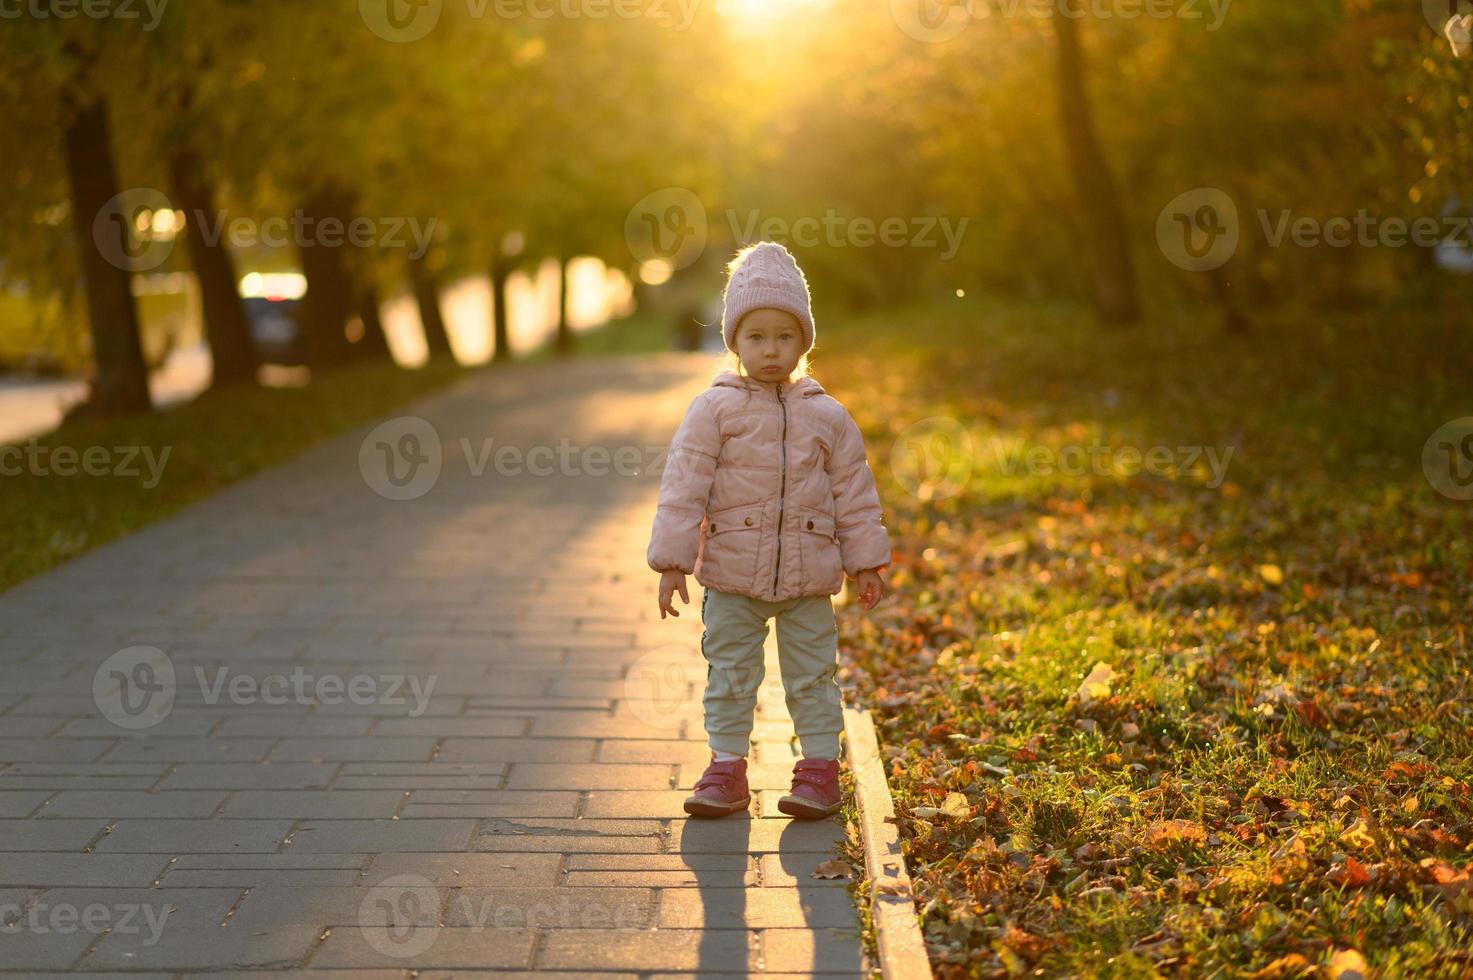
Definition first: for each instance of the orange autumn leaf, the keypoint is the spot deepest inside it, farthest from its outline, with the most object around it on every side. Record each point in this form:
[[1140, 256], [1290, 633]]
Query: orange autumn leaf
[[1352, 874], [1284, 968], [1348, 964], [1170, 831], [1310, 712]]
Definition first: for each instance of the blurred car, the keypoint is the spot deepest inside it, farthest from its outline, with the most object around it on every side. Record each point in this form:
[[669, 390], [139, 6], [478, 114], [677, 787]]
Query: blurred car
[[273, 304]]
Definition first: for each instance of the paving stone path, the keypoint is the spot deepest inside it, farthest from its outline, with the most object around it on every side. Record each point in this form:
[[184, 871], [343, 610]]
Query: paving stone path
[[305, 726]]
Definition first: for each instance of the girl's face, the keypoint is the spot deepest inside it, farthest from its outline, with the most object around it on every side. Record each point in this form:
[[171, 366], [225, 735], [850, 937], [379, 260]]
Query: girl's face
[[769, 342]]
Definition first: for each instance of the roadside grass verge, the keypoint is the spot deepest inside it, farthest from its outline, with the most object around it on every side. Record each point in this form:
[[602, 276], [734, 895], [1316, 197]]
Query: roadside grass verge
[[1269, 773]]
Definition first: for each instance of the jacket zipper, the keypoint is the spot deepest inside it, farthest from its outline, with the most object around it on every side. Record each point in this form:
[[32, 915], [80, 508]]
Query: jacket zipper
[[782, 491]]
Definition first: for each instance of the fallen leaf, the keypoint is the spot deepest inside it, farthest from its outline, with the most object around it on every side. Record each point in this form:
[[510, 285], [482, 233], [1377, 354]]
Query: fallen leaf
[[1284, 968], [1272, 574], [1451, 881], [1351, 873], [1025, 944], [1311, 714], [1097, 684], [1348, 964], [833, 868], [938, 732], [1169, 831], [1358, 836], [955, 806]]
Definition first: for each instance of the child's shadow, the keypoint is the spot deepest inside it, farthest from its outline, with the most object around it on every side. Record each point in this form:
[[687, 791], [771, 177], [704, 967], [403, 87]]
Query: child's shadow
[[806, 925]]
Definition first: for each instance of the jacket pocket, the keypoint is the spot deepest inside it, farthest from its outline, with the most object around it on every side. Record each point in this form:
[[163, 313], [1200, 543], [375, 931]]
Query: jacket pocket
[[822, 563], [733, 541]]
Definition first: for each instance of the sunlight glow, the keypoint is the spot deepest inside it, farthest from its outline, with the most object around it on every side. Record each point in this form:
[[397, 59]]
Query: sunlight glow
[[766, 13]]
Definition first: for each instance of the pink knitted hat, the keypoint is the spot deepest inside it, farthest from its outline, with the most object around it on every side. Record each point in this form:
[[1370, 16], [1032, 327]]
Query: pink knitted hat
[[765, 275]]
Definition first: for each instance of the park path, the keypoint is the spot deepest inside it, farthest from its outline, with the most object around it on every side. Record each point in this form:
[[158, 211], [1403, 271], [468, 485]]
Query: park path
[[302, 725]]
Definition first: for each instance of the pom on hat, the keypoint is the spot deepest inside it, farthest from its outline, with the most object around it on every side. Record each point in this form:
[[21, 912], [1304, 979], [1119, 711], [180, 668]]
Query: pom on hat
[[765, 275]]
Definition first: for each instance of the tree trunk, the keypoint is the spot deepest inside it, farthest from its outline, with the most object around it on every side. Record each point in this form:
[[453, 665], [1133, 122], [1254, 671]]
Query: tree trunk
[[427, 295], [1233, 320], [563, 343], [374, 344], [232, 356], [330, 298], [120, 384], [501, 343], [1115, 298]]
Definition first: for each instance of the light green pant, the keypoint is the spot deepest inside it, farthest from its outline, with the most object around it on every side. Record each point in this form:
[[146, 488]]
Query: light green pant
[[807, 646]]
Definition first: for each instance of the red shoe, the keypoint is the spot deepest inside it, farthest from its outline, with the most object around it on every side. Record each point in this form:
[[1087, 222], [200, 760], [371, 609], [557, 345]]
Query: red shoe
[[816, 792], [722, 789]]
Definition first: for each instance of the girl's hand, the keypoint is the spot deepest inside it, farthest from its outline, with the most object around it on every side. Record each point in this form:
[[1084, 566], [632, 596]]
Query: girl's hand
[[672, 581], [871, 587]]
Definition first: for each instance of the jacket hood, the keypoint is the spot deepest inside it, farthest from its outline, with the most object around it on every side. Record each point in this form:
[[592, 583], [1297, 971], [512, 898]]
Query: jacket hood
[[804, 386]]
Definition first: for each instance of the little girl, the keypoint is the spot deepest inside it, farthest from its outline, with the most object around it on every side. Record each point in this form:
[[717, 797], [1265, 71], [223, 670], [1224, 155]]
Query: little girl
[[768, 499]]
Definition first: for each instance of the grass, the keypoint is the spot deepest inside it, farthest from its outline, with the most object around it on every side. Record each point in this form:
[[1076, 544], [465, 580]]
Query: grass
[[1271, 775]]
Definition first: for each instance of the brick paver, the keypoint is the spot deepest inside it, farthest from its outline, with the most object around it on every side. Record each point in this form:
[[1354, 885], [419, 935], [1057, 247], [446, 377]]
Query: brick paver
[[446, 733]]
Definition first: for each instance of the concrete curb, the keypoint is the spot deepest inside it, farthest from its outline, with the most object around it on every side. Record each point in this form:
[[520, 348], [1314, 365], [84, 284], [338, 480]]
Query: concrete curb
[[902, 951]]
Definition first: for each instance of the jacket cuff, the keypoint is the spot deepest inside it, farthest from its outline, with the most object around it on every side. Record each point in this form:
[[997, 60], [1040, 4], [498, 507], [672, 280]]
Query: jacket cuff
[[871, 550]]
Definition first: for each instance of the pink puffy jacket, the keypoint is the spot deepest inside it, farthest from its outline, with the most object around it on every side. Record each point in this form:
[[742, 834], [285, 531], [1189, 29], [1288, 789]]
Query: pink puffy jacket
[[767, 493]]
